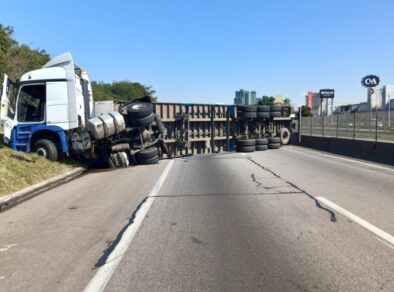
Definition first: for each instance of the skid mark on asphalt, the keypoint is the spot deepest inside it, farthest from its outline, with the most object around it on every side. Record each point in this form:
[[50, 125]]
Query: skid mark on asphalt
[[290, 184]]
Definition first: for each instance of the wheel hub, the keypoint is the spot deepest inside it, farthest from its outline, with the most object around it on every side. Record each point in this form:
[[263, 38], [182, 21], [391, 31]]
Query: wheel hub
[[42, 152]]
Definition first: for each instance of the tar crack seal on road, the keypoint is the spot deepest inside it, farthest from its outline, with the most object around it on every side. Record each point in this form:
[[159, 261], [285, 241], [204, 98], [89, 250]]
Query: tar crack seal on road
[[103, 259], [332, 214]]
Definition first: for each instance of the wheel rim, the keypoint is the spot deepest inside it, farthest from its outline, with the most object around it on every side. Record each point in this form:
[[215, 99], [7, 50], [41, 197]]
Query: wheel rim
[[42, 152]]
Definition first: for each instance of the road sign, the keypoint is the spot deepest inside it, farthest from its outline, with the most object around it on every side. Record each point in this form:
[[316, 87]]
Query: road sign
[[326, 93], [370, 81]]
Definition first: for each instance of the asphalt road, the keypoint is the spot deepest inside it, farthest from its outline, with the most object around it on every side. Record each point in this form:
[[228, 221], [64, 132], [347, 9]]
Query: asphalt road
[[226, 222]]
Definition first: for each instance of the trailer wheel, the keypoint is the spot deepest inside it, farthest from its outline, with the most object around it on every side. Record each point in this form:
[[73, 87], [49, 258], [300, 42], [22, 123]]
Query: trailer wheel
[[247, 108], [263, 115], [46, 148], [275, 108], [247, 115], [263, 108], [275, 114], [261, 141], [273, 140], [139, 110], [274, 145], [246, 149], [284, 136], [248, 142], [261, 147]]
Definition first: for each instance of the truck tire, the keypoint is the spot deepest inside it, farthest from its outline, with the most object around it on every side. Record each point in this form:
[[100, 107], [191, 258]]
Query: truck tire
[[275, 114], [275, 108], [248, 142], [274, 145], [247, 115], [261, 141], [142, 122], [46, 148], [284, 134], [263, 108], [147, 153], [151, 160], [263, 115], [246, 149], [247, 108], [139, 110], [261, 147], [118, 159], [272, 140]]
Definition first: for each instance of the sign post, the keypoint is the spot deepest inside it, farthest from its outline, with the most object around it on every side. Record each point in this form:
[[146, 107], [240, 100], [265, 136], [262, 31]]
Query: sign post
[[326, 94], [371, 81]]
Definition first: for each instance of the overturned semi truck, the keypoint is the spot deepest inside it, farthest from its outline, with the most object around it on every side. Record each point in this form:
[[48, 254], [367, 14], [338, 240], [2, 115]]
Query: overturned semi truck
[[50, 111]]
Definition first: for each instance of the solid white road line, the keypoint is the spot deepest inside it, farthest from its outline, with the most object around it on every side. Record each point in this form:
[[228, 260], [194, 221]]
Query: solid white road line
[[104, 273], [378, 232], [296, 148]]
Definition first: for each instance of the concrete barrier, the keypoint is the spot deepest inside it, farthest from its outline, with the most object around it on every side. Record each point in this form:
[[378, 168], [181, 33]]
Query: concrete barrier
[[368, 150]]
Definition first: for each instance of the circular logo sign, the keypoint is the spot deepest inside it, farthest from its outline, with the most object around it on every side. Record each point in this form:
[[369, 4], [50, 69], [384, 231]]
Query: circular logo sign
[[370, 81]]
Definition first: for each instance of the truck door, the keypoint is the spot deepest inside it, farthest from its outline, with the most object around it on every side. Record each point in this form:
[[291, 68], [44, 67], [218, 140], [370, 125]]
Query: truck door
[[30, 114], [8, 108]]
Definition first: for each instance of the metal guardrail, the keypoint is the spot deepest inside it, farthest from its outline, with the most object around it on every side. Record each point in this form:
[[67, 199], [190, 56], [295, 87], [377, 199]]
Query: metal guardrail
[[375, 126]]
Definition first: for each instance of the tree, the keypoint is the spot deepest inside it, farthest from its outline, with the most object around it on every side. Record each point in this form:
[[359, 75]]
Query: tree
[[306, 111], [16, 59], [266, 100], [121, 90], [287, 101]]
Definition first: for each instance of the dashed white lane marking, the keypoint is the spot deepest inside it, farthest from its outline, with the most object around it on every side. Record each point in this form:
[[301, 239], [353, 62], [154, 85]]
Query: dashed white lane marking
[[378, 232], [104, 273], [340, 158], [2, 277], [7, 247]]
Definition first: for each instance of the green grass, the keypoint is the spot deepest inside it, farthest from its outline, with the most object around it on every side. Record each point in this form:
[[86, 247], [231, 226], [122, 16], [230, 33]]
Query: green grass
[[19, 170]]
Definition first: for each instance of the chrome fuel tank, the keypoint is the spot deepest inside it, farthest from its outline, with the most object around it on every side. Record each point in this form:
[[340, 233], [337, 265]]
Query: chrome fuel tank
[[106, 125]]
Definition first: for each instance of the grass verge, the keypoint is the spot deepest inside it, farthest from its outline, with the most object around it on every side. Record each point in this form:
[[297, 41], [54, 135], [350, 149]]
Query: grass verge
[[19, 170]]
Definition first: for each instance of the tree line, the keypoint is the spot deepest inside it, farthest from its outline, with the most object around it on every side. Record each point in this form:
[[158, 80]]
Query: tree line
[[17, 59]]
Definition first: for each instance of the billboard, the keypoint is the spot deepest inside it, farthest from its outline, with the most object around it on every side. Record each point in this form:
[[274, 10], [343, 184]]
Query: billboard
[[326, 93]]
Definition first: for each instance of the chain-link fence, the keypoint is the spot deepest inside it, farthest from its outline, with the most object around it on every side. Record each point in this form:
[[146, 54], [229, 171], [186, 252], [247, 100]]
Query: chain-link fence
[[377, 126]]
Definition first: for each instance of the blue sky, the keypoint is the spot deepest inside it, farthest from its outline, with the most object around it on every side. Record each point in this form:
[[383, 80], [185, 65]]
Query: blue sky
[[202, 51]]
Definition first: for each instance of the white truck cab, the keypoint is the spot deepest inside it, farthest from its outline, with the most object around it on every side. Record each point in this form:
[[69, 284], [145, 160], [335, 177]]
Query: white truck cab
[[46, 104]]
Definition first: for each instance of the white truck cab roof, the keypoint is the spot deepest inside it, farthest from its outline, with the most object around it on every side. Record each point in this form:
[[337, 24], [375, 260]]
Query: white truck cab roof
[[59, 68]]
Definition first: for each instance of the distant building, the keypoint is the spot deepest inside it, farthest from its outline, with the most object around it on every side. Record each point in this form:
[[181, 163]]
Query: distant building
[[309, 99], [351, 108], [245, 97], [312, 100], [316, 104], [387, 92], [374, 99]]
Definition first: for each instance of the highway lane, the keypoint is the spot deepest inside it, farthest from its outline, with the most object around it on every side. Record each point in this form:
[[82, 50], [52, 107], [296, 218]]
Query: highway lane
[[53, 241], [224, 223], [227, 222]]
